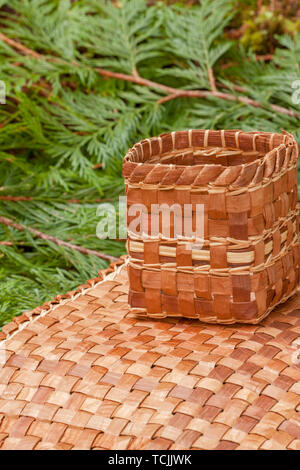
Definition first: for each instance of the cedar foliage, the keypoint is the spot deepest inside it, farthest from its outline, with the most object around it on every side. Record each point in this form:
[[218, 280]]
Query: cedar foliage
[[62, 118]]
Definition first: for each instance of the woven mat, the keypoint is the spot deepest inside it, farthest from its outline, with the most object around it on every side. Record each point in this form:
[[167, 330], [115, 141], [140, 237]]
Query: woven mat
[[83, 372]]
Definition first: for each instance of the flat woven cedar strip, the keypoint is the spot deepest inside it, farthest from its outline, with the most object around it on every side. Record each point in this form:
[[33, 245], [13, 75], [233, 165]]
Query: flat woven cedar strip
[[82, 372]]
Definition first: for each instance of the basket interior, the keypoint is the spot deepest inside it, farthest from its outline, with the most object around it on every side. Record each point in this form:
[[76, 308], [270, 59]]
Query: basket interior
[[225, 156]]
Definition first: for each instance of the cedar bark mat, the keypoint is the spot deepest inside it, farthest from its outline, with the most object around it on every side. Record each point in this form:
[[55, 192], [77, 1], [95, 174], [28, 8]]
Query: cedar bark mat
[[246, 258], [83, 372]]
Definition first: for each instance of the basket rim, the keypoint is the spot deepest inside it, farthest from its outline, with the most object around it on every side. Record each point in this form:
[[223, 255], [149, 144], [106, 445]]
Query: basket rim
[[274, 146]]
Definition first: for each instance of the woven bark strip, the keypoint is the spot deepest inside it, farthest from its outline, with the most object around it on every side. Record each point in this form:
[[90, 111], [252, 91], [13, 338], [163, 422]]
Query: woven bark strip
[[248, 258]]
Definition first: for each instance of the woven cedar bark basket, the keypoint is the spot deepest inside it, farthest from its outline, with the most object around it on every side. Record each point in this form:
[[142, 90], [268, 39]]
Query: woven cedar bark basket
[[249, 259]]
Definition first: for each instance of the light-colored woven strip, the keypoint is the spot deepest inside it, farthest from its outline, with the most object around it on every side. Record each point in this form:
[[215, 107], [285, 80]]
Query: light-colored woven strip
[[232, 257]]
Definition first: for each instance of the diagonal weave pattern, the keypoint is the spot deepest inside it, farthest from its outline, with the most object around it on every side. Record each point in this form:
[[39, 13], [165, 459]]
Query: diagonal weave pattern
[[83, 372]]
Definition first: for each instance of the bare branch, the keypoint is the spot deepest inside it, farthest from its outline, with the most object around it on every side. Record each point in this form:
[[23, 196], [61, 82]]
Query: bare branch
[[212, 81], [15, 198], [57, 241], [171, 92]]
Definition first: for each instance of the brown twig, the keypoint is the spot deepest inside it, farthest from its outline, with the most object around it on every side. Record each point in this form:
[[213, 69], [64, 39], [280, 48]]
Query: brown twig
[[265, 57], [239, 88], [73, 201], [98, 165], [169, 97], [11, 243], [170, 91], [57, 241], [15, 198], [138, 80], [212, 80], [225, 96], [135, 72], [95, 201], [20, 47]]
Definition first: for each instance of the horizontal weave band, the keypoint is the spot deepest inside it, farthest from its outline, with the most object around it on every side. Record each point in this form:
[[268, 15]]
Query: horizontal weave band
[[236, 296]]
